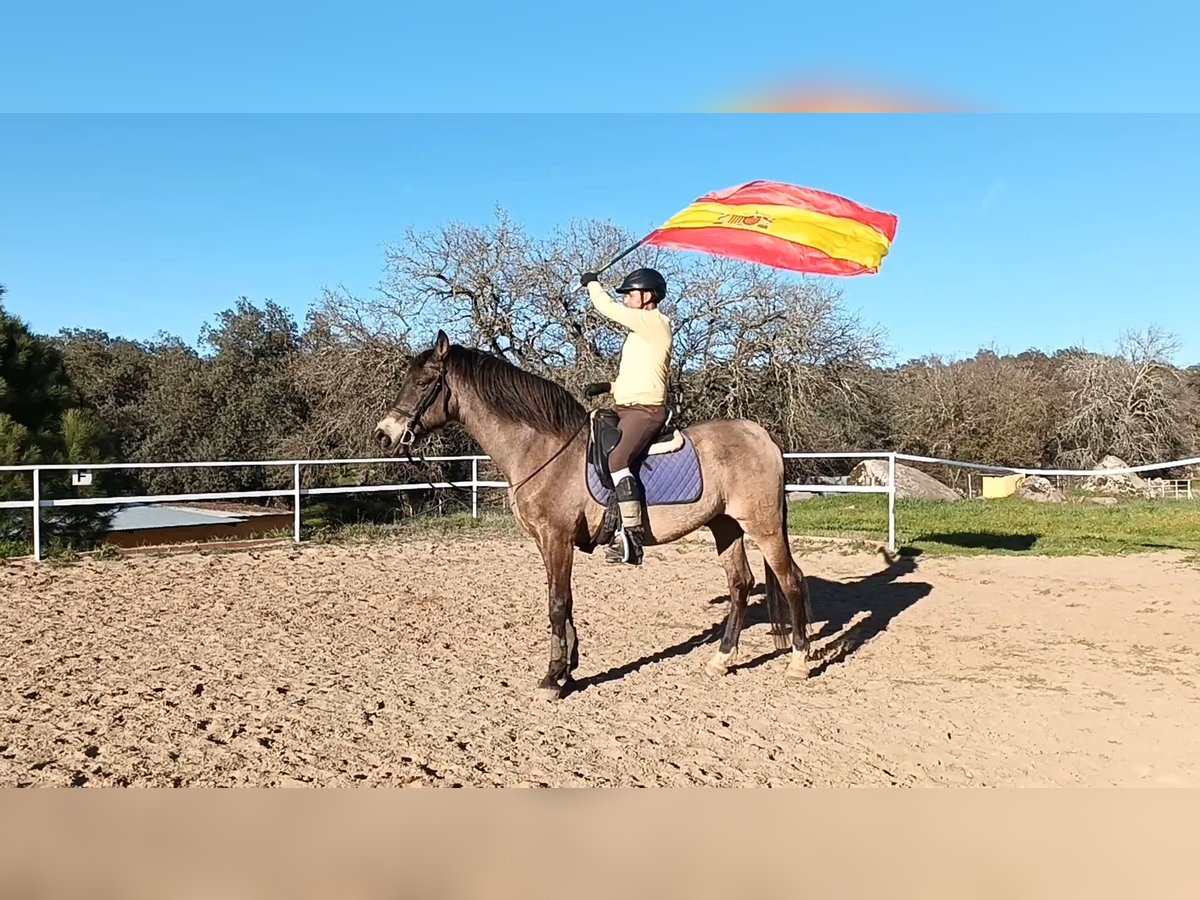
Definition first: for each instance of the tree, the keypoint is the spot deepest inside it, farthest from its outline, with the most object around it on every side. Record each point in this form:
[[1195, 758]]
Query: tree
[[249, 352], [112, 377], [988, 409], [346, 376], [236, 400], [42, 421], [1134, 405]]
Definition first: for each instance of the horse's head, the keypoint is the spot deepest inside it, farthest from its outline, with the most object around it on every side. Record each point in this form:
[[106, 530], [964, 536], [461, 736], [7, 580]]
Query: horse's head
[[423, 404]]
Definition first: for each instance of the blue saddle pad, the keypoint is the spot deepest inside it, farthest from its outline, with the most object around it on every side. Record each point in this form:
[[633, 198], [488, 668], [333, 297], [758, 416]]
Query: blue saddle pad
[[667, 479]]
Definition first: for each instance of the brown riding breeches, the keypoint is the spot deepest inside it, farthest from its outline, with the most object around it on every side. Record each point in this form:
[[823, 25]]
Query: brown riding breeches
[[639, 426]]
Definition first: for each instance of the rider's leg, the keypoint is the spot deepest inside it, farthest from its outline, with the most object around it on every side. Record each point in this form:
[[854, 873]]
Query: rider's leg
[[639, 426]]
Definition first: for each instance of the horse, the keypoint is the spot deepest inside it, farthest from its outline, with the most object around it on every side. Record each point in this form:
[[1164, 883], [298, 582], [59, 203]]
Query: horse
[[536, 432]]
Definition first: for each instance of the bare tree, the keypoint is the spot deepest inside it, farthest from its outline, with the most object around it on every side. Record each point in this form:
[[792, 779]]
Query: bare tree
[[1132, 405], [988, 409], [497, 288], [346, 369]]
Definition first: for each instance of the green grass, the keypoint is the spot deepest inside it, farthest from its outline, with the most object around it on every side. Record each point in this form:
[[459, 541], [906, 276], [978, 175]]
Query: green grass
[[11, 549], [1009, 526]]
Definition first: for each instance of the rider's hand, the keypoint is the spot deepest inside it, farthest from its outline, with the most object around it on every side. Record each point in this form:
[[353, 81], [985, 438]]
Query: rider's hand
[[587, 278], [596, 388]]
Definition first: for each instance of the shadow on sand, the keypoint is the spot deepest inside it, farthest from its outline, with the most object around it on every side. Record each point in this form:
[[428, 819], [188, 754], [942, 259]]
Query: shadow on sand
[[983, 540], [853, 612]]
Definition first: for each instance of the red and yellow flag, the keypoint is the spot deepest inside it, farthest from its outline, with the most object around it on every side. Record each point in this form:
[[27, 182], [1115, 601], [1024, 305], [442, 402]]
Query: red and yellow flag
[[784, 226]]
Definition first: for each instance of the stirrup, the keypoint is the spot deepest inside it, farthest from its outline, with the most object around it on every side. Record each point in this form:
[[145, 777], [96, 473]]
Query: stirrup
[[626, 548]]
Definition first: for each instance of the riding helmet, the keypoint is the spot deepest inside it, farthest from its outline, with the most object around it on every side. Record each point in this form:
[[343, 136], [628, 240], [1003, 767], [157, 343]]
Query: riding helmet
[[644, 280]]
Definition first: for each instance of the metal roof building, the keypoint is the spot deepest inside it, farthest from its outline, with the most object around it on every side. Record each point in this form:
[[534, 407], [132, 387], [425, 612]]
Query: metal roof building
[[152, 515]]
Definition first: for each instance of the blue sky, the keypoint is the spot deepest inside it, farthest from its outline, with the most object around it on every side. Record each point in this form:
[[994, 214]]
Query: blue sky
[[546, 55], [1018, 231]]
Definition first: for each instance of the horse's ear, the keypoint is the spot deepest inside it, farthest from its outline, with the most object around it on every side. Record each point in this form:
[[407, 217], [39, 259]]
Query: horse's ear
[[441, 346]]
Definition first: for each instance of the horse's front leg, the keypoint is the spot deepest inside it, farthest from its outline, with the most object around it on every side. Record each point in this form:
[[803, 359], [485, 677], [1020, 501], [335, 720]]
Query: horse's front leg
[[558, 555]]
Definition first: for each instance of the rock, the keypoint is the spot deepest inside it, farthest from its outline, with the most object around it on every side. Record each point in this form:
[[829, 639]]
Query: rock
[[1127, 484], [797, 496], [1103, 501], [911, 484], [1040, 490]]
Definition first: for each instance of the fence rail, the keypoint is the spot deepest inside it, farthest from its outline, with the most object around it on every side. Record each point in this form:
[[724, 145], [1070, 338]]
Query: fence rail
[[297, 491], [1176, 489]]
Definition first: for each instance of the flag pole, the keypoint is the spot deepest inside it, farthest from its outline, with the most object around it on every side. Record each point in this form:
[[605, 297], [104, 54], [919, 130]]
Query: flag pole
[[620, 256]]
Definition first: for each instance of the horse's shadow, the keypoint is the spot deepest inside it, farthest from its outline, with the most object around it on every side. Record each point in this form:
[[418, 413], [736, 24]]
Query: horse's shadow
[[853, 612]]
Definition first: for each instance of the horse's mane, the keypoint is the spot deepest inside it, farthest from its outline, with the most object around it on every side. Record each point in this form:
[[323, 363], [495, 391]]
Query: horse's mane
[[517, 394]]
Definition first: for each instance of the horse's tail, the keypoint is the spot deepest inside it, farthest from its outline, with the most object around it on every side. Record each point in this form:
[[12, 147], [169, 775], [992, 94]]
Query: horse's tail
[[779, 611], [796, 573]]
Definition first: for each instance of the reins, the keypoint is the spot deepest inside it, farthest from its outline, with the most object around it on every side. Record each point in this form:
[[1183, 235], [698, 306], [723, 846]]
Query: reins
[[557, 454]]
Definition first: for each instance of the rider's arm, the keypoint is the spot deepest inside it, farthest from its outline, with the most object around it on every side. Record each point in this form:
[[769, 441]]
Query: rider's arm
[[640, 320]]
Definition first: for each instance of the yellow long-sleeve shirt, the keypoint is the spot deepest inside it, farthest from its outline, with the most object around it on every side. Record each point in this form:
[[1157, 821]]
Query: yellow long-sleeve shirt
[[646, 355]]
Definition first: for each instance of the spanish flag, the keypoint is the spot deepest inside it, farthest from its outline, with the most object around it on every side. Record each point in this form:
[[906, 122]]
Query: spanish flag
[[784, 226]]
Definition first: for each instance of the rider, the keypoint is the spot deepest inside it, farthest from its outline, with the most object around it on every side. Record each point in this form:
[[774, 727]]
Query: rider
[[639, 393]]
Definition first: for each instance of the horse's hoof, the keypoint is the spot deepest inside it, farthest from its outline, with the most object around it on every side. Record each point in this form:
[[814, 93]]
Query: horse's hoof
[[798, 667], [719, 663], [548, 692]]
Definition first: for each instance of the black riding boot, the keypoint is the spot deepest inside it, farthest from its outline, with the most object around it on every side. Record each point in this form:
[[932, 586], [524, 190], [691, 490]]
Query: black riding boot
[[627, 543]]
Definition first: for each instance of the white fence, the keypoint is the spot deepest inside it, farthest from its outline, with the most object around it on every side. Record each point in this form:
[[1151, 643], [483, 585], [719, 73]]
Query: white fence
[[1176, 489], [297, 492]]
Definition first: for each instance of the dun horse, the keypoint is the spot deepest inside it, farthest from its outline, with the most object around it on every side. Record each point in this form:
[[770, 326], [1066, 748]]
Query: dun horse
[[538, 435]]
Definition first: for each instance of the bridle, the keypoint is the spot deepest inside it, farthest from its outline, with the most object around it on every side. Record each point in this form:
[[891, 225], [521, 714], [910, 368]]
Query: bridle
[[413, 419]]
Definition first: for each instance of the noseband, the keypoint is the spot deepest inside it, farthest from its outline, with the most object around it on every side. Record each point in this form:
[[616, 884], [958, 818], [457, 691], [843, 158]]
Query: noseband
[[409, 437]]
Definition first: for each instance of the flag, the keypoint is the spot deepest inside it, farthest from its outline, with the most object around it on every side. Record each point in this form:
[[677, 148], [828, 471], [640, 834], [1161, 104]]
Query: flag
[[784, 226]]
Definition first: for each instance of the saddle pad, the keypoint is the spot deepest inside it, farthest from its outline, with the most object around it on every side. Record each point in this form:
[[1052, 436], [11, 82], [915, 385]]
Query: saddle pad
[[668, 479]]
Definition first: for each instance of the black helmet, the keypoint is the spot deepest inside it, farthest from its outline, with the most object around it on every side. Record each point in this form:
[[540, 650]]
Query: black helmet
[[644, 280]]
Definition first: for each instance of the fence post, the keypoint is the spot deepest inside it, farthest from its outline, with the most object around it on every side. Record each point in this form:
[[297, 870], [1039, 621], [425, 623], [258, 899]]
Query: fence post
[[37, 515], [296, 503], [892, 502], [475, 487]]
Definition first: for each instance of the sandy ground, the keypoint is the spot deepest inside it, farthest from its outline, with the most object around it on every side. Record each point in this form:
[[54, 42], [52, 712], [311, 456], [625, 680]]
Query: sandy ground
[[413, 665]]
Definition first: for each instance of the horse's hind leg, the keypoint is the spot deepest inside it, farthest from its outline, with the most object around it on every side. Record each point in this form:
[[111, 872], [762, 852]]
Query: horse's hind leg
[[783, 569], [731, 546]]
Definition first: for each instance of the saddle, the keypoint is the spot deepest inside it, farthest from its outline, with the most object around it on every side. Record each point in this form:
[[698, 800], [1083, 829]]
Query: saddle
[[606, 433], [669, 471]]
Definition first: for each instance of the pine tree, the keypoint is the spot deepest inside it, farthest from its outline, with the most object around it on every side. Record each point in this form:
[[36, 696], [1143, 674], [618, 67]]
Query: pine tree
[[42, 421]]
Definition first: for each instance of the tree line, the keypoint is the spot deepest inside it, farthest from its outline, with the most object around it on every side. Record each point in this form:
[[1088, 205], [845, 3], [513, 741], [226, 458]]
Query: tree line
[[750, 342]]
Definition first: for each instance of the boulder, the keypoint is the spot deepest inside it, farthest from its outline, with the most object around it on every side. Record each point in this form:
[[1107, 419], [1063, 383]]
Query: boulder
[[911, 484], [797, 496], [1126, 485], [1040, 490]]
